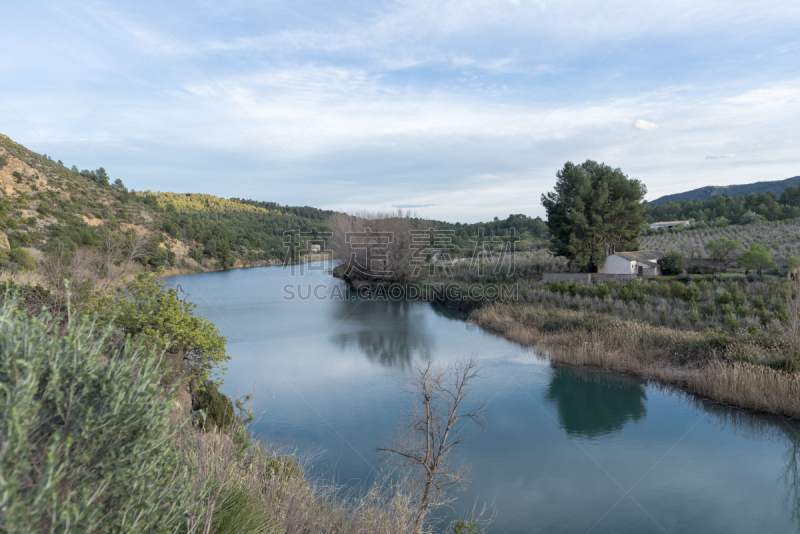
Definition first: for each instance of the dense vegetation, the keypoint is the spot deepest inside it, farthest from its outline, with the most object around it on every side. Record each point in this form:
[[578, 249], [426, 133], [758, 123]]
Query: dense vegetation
[[92, 443], [705, 193], [593, 211], [726, 209]]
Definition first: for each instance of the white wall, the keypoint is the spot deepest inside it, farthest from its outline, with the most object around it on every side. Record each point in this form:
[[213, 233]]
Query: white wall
[[617, 265]]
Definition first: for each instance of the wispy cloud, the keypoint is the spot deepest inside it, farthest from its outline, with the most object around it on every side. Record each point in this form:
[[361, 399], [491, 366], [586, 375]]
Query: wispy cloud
[[393, 104]]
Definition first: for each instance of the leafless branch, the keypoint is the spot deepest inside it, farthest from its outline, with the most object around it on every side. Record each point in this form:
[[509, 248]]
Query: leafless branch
[[432, 431]]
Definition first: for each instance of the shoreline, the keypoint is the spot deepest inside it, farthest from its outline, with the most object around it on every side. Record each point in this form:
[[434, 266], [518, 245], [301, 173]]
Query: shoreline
[[686, 360], [263, 263]]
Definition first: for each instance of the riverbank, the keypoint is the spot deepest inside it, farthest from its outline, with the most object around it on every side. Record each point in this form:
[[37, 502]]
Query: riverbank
[[308, 258], [739, 371], [458, 296]]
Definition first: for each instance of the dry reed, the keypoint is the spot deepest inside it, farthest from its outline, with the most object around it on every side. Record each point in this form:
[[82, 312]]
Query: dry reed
[[689, 360], [297, 502]]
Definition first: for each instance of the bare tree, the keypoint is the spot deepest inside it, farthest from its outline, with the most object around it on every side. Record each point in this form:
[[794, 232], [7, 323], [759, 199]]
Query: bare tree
[[373, 243], [430, 433]]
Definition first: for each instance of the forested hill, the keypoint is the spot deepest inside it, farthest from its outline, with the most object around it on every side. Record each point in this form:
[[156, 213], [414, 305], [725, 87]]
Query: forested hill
[[705, 193], [725, 209], [46, 206]]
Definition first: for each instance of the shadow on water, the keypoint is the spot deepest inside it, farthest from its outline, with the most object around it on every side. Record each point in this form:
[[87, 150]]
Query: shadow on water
[[592, 404], [389, 333]]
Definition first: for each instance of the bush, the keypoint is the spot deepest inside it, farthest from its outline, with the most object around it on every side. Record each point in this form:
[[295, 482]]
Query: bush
[[216, 405], [466, 527], [87, 446], [22, 258], [672, 262], [155, 315]]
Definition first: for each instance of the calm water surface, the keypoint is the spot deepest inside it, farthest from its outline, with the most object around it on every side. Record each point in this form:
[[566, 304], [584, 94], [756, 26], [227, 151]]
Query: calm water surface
[[564, 450]]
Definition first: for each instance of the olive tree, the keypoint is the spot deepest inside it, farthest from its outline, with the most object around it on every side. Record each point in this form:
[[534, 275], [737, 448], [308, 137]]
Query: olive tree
[[723, 249], [756, 258]]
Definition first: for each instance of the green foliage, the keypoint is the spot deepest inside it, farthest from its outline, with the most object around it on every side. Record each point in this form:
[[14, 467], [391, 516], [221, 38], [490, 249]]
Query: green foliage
[[218, 408], [723, 249], [756, 258], [594, 210], [741, 209], [672, 262], [241, 511], [751, 218], [18, 258], [87, 446], [155, 315], [466, 527], [734, 191]]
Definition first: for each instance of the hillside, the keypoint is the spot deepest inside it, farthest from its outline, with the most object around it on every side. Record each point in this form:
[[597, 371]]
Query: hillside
[[46, 206], [705, 193]]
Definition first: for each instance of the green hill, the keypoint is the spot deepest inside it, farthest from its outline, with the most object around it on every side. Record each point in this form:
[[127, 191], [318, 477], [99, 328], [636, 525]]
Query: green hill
[[705, 193], [44, 205]]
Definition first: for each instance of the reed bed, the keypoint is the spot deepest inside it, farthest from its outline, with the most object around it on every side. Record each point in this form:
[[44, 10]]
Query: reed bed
[[734, 371]]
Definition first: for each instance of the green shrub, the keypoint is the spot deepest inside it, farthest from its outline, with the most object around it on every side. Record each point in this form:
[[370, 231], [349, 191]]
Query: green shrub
[[466, 527], [87, 446], [22, 258], [672, 262], [217, 406], [155, 315]]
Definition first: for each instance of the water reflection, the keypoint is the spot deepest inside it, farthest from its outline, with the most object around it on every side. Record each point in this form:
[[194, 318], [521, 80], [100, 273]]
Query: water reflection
[[389, 333], [592, 404], [759, 427]]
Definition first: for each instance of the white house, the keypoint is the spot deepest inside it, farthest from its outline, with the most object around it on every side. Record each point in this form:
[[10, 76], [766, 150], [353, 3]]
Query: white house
[[669, 224], [640, 263]]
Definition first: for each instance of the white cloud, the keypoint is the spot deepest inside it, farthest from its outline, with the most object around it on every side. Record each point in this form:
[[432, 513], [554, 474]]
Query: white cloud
[[471, 110], [642, 124]]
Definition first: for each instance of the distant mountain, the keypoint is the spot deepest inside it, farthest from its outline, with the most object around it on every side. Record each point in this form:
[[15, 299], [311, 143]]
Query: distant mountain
[[704, 193]]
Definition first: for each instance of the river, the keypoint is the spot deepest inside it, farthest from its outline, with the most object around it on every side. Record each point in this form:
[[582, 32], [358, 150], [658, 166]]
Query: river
[[564, 450]]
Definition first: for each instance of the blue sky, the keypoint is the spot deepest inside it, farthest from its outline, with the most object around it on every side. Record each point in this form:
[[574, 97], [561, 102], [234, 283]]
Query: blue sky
[[459, 110]]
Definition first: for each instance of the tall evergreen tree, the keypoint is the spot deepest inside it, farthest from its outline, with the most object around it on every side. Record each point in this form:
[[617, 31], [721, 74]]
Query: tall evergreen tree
[[594, 211]]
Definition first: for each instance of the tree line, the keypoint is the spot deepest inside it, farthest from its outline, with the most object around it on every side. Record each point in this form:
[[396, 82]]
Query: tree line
[[737, 209]]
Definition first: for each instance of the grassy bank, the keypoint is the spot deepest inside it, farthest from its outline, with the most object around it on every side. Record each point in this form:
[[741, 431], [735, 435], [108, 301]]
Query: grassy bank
[[745, 371], [90, 444]]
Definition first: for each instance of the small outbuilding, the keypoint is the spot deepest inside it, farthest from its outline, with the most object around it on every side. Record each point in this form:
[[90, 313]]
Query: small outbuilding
[[639, 263]]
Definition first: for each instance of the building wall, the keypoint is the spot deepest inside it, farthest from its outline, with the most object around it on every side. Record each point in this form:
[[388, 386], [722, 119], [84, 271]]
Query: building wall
[[647, 270], [617, 265], [601, 277]]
